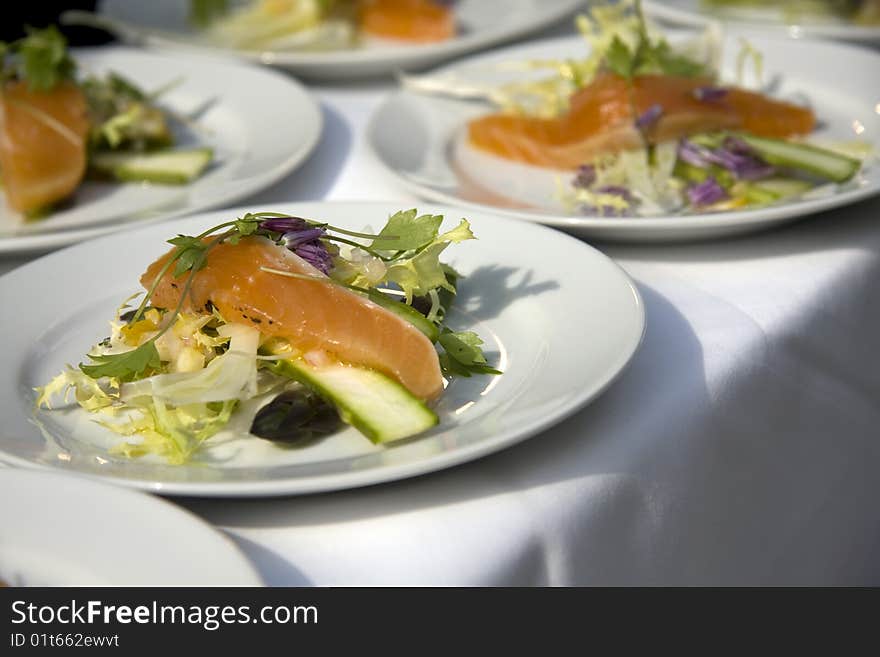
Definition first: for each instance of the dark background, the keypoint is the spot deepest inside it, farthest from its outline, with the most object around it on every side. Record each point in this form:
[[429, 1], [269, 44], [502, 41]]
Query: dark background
[[40, 13]]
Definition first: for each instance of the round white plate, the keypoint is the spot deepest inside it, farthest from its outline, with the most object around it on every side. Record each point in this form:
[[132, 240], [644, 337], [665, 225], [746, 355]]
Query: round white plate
[[261, 125], [769, 17], [163, 24], [64, 530], [420, 140], [559, 319]]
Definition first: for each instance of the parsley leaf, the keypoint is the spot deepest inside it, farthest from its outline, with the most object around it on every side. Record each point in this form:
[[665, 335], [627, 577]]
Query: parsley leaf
[[125, 366], [190, 254], [463, 355], [405, 231], [619, 58], [42, 59], [661, 58], [422, 272], [247, 225]]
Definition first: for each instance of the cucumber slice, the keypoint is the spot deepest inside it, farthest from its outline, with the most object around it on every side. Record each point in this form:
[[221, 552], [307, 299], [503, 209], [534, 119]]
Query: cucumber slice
[[407, 313], [812, 159], [771, 190], [782, 187], [162, 167], [376, 405]]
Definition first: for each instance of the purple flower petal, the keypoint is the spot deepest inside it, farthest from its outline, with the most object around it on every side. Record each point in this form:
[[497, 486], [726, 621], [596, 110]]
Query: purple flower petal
[[709, 94], [585, 177], [649, 117], [294, 238], [706, 192], [316, 254], [284, 224]]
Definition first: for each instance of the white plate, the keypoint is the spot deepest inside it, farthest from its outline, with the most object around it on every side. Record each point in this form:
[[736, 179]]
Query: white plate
[[419, 139], [163, 24], [64, 530], [558, 317], [261, 125], [766, 18]]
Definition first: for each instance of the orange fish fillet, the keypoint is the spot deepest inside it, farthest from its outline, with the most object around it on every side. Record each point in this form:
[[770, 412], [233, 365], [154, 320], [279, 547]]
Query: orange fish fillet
[[419, 21], [312, 315], [601, 120], [42, 144]]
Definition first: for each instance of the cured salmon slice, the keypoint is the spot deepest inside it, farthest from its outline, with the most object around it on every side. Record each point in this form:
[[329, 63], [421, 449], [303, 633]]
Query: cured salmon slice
[[602, 119], [314, 315], [419, 21], [42, 144]]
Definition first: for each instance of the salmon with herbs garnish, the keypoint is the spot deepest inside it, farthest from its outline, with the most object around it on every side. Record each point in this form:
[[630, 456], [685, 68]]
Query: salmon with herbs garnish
[[417, 21], [602, 118], [319, 318]]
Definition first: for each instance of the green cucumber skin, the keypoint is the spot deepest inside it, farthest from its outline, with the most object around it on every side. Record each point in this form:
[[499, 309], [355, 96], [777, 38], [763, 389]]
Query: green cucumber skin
[[124, 175], [826, 164], [117, 165], [783, 187], [407, 313], [309, 377]]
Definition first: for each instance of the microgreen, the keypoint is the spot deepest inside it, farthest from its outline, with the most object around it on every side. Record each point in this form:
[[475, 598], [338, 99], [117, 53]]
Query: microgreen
[[203, 12], [647, 56], [125, 366], [40, 59]]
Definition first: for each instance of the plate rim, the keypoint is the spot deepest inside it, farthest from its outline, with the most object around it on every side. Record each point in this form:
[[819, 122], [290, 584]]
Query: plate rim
[[38, 242], [247, 573], [388, 60], [694, 18], [690, 227], [374, 476]]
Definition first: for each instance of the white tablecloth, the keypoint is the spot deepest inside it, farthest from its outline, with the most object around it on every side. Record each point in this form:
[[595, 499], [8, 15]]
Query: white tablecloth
[[742, 445]]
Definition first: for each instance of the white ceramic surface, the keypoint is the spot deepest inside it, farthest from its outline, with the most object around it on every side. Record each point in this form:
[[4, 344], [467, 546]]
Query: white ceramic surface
[[163, 24], [65, 530], [261, 125], [419, 139], [559, 318], [769, 17]]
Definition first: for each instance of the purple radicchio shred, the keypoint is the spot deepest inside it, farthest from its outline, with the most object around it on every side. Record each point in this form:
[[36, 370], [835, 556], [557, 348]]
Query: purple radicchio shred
[[709, 94], [649, 117], [693, 154], [707, 192], [617, 190], [734, 155], [284, 224], [604, 211], [585, 176]]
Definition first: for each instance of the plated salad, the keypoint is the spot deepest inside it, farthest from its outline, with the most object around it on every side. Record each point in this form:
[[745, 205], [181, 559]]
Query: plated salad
[[57, 127], [645, 128], [298, 325], [321, 24]]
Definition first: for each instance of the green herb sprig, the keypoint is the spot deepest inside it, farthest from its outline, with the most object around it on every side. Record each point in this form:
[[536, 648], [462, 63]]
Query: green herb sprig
[[40, 59], [647, 56]]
